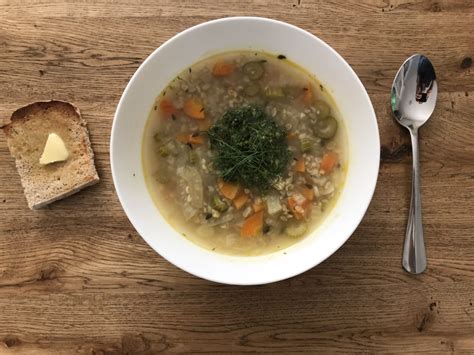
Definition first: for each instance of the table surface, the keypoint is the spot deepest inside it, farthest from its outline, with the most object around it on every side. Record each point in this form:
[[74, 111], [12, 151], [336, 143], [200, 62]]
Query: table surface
[[76, 277]]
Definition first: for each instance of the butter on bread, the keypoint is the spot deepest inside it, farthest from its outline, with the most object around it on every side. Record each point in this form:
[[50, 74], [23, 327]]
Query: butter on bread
[[27, 134], [54, 151]]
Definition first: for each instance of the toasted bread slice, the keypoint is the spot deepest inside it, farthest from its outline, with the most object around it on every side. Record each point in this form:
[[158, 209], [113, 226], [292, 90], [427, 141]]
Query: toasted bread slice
[[26, 137]]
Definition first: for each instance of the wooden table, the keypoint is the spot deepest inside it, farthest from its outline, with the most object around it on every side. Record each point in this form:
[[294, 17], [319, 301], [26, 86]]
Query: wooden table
[[76, 277]]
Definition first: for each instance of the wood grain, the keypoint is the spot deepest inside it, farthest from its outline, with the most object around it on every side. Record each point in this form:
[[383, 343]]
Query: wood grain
[[76, 277]]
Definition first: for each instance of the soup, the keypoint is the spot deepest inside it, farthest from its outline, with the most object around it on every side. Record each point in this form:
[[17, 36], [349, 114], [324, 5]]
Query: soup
[[244, 153]]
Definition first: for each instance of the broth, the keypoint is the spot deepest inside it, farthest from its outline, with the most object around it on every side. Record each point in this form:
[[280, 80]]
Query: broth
[[198, 156]]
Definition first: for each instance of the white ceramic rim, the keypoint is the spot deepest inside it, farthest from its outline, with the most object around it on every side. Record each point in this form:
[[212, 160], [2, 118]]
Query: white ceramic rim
[[254, 280]]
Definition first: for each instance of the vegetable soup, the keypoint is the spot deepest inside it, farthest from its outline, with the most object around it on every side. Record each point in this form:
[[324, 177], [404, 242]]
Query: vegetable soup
[[244, 153]]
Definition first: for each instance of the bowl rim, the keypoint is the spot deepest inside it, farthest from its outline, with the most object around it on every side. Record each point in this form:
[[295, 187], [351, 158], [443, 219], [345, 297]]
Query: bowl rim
[[363, 206]]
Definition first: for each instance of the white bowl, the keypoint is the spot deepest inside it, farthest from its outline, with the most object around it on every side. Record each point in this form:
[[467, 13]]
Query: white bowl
[[245, 33]]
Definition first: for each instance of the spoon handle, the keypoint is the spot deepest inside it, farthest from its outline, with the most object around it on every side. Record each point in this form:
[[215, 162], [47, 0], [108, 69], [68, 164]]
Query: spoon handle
[[414, 255]]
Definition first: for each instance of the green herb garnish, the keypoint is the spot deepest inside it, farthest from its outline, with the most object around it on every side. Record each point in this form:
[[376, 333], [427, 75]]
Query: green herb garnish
[[250, 147]]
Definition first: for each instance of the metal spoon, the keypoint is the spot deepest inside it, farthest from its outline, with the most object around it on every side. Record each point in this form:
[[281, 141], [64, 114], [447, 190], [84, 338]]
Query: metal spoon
[[414, 93]]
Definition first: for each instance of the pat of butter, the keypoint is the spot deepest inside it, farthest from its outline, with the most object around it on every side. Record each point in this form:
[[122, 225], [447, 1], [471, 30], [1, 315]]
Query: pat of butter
[[54, 150]]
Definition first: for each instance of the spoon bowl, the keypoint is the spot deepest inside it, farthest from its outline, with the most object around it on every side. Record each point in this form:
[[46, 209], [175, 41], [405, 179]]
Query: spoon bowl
[[414, 92]]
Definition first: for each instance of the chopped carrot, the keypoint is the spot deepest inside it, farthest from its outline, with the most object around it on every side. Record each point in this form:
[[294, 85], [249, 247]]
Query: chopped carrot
[[240, 201], [299, 165], [228, 190], [299, 206], [222, 68], [328, 162], [190, 138], [258, 205], [290, 136], [183, 138], [292, 205], [193, 108], [167, 107], [204, 125], [252, 225], [308, 193], [308, 94], [196, 139]]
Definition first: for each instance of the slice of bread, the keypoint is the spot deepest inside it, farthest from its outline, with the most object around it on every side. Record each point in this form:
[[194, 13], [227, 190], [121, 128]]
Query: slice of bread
[[26, 137]]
